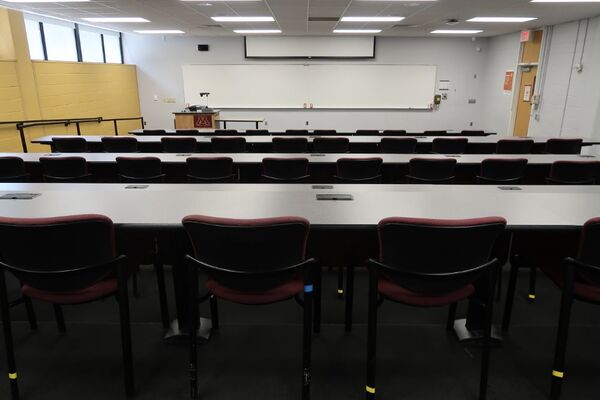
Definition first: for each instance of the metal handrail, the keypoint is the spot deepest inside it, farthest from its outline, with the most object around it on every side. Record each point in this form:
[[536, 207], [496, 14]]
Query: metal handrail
[[22, 125]]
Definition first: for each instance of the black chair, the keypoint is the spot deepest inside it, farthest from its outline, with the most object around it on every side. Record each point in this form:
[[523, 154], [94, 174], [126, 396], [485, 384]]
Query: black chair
[[228, 144], [119, 144], [405, 145], [65, 169], [331, 145], [431, 170], [514, 146], [187, 132], [502, 171], [324, 132], [69, 145], [367, 132], [282, 170], [573, 173], [210, 169], [297, 132], [74, 262], [12, 169], [449, 145], [156, 132], [140, 169], [433, 263], [290, 145], [359, 170], [226, 132], [251, 262], [394, 132], [179, 144], [563, 146], [472, 133], [257, 132], [435, 133]]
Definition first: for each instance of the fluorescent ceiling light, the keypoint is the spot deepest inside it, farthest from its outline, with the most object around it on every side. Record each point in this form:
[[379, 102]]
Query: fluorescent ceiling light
[[221, 1], [115, 19], [457, 31], [401, 1], [45, 1], [501, 19], [371, 19], [243, 19], [257, 31], [356, 30], [565, 1], [160, 31]]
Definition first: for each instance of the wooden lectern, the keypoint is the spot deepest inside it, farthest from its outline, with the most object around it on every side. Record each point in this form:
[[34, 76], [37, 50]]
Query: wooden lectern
[[196, 120]]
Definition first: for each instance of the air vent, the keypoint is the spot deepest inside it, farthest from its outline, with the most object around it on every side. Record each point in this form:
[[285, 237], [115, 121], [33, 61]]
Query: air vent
[[323, 19], [214, 26], [405, 26]]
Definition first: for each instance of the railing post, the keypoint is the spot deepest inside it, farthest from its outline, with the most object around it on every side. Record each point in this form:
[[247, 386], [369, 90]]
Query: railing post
[[78, 129], [23, 141], [142, 121], [116, 129]]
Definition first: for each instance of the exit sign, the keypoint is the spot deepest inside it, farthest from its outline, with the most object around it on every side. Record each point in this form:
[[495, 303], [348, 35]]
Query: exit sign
[[525, 36]]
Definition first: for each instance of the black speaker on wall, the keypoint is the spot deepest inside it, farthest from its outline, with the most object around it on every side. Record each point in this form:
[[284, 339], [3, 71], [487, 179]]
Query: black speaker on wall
[[202, 47]]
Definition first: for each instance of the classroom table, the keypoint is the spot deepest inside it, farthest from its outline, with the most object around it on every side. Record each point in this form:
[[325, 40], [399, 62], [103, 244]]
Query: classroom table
[[140, 132], [226, 120], [342, 232]]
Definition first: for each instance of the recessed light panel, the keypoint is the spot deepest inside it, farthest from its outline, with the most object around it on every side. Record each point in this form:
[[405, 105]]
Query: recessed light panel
[[457, 31], [501, 19], [371, 19], [243, 19]]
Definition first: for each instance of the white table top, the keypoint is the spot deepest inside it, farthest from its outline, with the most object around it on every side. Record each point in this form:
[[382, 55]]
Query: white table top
[[256, 158], [240, 119], [269, 139], [166, 204]]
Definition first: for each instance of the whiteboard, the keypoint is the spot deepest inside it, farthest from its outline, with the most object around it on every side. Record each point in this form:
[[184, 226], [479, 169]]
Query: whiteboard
[[331, 86]]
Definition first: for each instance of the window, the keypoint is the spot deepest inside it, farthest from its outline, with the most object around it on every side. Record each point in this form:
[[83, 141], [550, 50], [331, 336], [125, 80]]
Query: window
[[60, 42], [34, 38], [91, 46], [112, 49]]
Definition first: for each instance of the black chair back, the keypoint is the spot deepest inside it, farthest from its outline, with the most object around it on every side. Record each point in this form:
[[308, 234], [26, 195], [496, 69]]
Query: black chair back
[[119, 144], [331, 145], [449, 145], [498, 171], [431, 170], [69, 145], [564, 146], [290, 145], [589, 251], [179, 144], [210, 169], [187, 132], [394, 132], [226, 132], [405, 145], [63, 245], [324, 132], [248, 254], [297, 132], [367, 132], [514, 146], [285, 169], [12, 169], [472, 133], [573, 173], [65, 169], [228, 144], [435, 133], [140, 169], [257, 132], [415, 250], [157, 132], [359, 170]]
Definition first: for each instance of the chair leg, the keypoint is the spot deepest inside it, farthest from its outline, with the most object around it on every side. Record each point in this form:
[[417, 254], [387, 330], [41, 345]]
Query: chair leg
[[134, 285], [349, 298], [193, 324], [214, 312], [318, 277], [125, 323], [60, 318], [510, 294], [532, 282], [8, 339], [307, 340], [451, 317], [371, 336], [162, 292], [340, 285], [561, 341], [30, 313], [499, 285], [487, 334]]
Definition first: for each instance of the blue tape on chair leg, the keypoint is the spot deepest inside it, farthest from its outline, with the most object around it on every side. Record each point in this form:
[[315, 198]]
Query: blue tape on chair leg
[[308, 288]]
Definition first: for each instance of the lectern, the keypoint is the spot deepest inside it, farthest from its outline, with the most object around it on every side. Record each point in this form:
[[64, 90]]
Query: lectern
[[196, 119]]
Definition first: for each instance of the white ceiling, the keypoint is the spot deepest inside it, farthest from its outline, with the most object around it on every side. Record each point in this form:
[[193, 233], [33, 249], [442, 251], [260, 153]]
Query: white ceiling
[[292, 15]]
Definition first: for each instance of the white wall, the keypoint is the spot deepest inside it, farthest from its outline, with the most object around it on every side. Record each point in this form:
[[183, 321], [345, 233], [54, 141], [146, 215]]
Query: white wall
[[159, 62], [570, 102]]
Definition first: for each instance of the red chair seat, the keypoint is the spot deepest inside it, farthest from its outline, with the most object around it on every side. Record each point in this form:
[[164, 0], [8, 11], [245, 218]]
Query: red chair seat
[[279, 293], [405, 296], [96, 291], [583, 290]]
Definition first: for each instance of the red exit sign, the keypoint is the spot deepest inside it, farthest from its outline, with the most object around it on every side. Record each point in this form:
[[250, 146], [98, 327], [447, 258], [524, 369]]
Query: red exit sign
[[525, 36]]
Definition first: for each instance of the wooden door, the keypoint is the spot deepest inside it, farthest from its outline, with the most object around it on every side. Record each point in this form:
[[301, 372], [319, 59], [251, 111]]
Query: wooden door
[[524, 102]]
